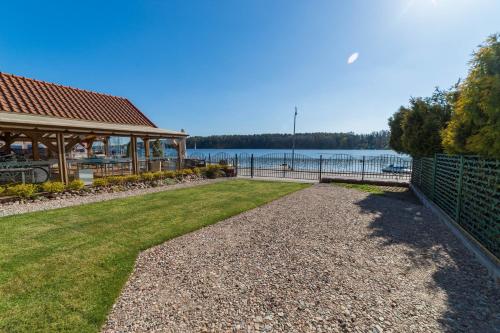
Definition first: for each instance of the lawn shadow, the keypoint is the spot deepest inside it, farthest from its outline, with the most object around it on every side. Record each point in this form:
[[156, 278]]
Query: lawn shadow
[[473, 300]]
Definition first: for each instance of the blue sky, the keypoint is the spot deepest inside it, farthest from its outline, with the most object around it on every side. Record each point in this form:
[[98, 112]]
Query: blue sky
[[238, 67]]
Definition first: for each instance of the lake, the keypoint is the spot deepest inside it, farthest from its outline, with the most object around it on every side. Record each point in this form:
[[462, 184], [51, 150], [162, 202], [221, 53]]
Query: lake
[[308, 152]]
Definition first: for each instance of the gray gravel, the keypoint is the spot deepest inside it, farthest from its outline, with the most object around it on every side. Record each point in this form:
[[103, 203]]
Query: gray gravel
[[323, 259], [14, 208]]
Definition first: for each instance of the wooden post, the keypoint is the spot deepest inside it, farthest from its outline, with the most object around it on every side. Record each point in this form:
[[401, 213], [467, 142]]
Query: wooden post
[[61, 158], [106, 146], [146, 152], [133, 153], [146, 148], [34, 150], [89, 142]]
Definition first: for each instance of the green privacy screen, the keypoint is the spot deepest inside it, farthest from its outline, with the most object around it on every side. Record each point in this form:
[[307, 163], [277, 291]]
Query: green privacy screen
[[468, 190]]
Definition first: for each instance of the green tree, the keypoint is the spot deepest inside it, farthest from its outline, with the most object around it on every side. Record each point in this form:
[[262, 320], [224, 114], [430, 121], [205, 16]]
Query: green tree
[[157, 148], [416, 129], [396, 128], [474, 127]]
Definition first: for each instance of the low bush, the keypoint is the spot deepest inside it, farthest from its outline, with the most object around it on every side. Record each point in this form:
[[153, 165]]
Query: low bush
[[213, 171], [169, 174], [132, 178], [2, 190], [169, 181], [187, 172], [147, 176], [76, 185], [197, 171], [158, 175], [116, 180], [53, 187], [100, 182], [22, 190]]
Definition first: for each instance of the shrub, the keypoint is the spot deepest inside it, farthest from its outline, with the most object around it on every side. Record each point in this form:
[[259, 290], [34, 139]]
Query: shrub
[[100, 182], [116, 180], [169, 181], [53, 187], [214, 171], [76, 185], [132, 178], [187, 172], [197, 171], [179, 174], [158, 175], [2, 190], [147, 176], [169, 174], [22, 190]]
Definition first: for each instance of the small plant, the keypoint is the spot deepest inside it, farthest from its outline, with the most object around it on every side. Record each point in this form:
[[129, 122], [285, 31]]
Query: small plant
[[2, 190], [169, 174], [22, 190], [76, 185], [147, 176], [53, 187], [116, 180], [158, 175], [187, 172], [132, 178], [169, 181], [214, 171], [197, 172], [100, 182]]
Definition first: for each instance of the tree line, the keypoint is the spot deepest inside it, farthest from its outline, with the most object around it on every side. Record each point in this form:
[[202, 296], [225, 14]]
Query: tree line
[[464, 119], [374, 140]]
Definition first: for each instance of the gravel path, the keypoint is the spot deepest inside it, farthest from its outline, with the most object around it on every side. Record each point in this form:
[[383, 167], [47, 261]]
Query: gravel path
[[19, 208], [323, 259]]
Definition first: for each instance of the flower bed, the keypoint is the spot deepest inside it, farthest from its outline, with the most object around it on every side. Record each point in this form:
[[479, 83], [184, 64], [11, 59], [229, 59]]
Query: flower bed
[[55, 190]]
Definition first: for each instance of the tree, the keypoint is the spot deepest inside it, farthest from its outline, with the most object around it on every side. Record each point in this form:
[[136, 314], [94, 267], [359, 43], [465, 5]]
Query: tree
[[415, 130], [396, 128], [157, 148], [474, 127]]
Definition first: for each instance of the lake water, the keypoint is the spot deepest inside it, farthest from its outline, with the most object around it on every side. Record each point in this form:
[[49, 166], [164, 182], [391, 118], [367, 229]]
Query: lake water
[[308, 152]]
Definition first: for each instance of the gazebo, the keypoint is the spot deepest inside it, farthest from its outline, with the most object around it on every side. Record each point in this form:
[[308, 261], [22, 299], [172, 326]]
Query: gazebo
[[61, 117]]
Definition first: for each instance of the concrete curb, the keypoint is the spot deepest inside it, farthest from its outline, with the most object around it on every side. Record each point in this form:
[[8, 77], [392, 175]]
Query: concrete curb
[[486, 258]]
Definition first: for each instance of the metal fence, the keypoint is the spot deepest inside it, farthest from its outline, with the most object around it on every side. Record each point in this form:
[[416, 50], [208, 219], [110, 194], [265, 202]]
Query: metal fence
[[299, 166], [467, 189]]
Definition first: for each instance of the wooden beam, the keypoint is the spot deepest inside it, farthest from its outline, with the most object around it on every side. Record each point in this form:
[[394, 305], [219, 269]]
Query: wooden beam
[[61, 159], [133, 153], [42, 137], [71, 143]]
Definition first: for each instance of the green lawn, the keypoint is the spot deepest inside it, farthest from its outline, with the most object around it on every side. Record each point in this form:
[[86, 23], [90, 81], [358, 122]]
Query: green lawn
[[61, 270], [373, 189]]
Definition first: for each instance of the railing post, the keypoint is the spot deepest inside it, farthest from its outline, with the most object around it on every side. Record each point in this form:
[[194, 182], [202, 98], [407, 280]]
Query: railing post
[[458, 209], [320, 166], [434, 176], [236, 165], [251, 166], [284, 165], [363, 169]]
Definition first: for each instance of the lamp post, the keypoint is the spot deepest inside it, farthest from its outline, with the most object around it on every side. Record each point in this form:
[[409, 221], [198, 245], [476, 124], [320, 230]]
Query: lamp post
[[293, 137]]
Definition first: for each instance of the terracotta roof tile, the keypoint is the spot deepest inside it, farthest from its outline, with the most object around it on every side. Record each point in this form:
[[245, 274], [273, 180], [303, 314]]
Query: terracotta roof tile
[[22, 95]]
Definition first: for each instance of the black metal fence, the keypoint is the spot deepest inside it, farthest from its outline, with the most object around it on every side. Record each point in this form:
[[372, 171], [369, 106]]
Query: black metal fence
[[299, 166]]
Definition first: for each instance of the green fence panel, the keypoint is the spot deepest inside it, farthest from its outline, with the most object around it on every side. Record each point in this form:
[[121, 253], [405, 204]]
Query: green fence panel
[[480, 202], [446, 183], [468, 190]]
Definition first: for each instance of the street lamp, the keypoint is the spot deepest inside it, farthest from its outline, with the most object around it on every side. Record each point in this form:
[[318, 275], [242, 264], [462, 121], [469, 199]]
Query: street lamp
[[293, 137]]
